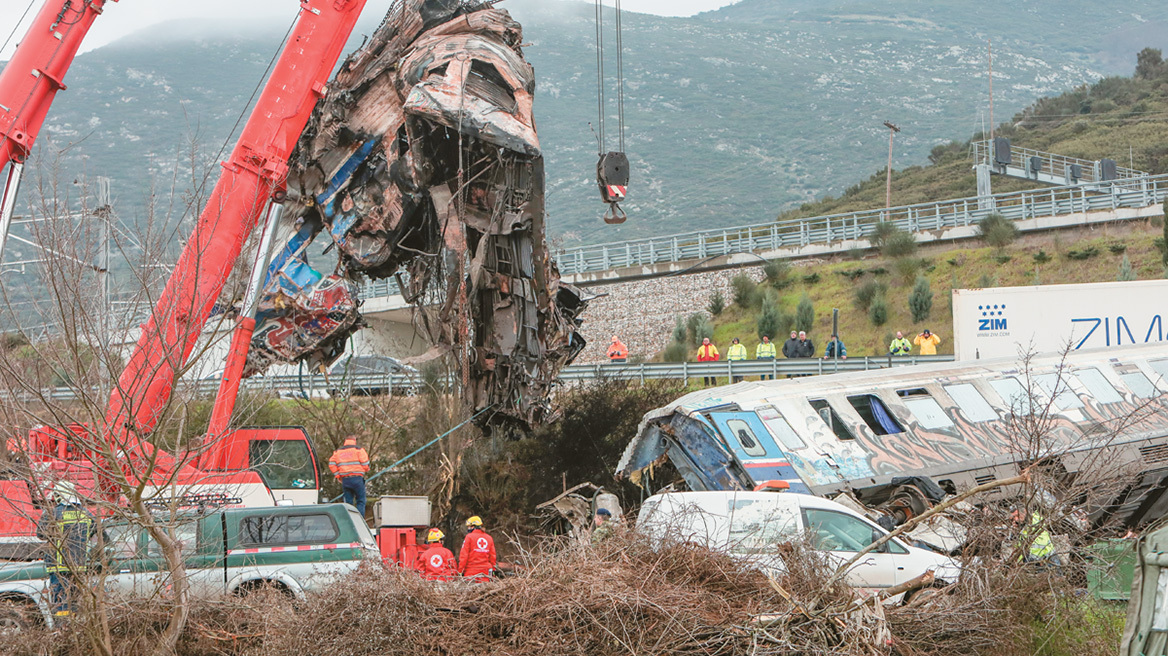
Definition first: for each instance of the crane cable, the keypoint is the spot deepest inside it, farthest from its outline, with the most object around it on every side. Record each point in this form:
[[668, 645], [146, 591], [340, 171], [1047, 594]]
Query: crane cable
[[600, 77]]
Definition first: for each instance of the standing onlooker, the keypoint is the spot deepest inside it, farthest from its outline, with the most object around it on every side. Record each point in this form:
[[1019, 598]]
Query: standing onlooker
[[765, 351], [736, 353], [928, 342], [806, 346], [791, 346], [617, 351], [900, 345], [477, 559], [67, 528], [707, 352], [835, 348], [349, 464]]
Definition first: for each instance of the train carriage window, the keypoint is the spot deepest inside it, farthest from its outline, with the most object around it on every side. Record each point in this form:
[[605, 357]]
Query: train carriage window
[[874, 413], [746, 438], [973, 405], [1160, 367], [928, 412], [1139, 384], [779, 428], [832, 419], [1066, 399], [1014, 395], [1098, 385]]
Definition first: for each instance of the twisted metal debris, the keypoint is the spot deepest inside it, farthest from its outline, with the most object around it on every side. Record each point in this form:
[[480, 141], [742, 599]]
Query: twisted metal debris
[[422, 163]]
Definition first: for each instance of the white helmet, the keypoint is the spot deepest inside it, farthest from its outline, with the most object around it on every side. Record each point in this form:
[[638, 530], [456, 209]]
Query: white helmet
[[66, 492]]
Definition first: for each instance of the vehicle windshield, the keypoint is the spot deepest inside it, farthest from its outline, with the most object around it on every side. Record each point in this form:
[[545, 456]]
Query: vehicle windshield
[[283, 464]]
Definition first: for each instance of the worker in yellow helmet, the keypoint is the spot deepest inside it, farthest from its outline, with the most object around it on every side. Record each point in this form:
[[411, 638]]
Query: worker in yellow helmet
[[477, 559], [436, 563]]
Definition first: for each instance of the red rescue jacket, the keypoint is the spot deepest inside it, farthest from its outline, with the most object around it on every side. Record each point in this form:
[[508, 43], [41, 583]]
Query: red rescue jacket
[[477, 558], [436, 563]]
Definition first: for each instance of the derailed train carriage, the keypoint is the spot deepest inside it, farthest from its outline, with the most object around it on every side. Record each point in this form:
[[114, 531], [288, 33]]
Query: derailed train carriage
[[957, 424]]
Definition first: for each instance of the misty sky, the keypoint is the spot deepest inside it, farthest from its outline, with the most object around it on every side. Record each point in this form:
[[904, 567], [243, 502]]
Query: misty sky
[[126, 16]]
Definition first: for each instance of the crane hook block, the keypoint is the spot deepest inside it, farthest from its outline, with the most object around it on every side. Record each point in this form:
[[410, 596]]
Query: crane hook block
[[612, 174]]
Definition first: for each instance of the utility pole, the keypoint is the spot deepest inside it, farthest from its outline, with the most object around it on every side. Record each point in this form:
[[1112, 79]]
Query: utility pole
[[892, 130], [990, 53]]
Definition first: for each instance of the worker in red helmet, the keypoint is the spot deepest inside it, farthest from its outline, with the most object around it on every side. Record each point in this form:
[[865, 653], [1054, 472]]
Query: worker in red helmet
[[477, 559], [436, 563]]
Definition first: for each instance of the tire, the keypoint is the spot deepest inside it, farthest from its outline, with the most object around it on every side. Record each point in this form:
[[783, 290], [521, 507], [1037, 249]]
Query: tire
[[263, 587], [16, 616]]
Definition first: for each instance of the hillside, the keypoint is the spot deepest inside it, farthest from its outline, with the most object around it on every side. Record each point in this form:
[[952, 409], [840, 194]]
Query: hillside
[[731, 118], [1085, 122]]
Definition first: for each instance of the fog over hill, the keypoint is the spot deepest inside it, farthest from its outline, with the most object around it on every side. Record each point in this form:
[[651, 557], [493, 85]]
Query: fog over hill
[[732, 116]]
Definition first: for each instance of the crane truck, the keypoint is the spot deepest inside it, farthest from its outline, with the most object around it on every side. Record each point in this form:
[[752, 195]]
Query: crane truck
[[247, 466]]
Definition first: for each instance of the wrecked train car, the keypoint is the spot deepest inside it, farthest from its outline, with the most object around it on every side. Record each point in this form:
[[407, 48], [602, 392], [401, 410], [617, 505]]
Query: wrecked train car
[[958, 424], [422, 163]]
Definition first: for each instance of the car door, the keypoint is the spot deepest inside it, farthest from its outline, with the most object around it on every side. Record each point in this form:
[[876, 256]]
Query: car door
[[119, 545], [752, 443], [842, 535], [151, 573]]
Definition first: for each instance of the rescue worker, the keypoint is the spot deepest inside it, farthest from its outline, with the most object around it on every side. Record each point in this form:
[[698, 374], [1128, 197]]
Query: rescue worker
[[1034, 539], [928, 342], [765, 351], [900, 345], [68, 529], [835, 348], [617, 351], [707, 352], [349, 465], [736, 353], [476, 560], [602, 525], [436, 563]]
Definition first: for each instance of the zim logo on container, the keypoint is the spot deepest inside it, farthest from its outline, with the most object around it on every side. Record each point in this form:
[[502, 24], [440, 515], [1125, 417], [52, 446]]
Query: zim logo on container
[[992, 317]]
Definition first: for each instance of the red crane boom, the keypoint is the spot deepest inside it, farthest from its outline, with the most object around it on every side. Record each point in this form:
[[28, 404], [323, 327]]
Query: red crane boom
[[253, 176], [30, 82]]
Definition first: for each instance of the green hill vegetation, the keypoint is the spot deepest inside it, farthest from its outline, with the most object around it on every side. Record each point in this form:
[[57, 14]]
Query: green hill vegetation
[[876, 291]]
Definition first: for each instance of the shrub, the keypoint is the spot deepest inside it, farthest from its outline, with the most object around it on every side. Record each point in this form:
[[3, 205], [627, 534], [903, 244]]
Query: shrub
[[698, 327], [907, 268], [676, 352], [679, 331], [805, 314], [771, 321], [986, 281], [1082, 254], [1041, 257], [811, 279], [868, 291], [745, 290], [878, 271], [882, 232], [1126, 273], [878, 311], [776, 272], [1003, 258], [902, 244], [1118, 248], [717, 303], [920, 301], [852, 274], [997, 231]]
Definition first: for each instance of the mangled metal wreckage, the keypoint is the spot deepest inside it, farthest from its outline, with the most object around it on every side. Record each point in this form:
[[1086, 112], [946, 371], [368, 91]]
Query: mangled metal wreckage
[[422, 164], [895, 441]]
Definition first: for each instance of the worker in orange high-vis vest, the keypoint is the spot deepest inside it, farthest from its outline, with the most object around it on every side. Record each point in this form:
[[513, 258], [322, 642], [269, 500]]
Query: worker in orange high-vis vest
[[349, 464], [707, 352], [477, 559], [436, 563], [617, 351]]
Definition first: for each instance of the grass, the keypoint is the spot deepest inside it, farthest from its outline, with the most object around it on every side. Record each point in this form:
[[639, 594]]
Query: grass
[[966, 265], [1078, 628]]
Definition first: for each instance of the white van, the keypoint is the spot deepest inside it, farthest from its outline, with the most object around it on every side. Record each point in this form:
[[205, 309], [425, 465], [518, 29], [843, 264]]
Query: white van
[[749, 525]]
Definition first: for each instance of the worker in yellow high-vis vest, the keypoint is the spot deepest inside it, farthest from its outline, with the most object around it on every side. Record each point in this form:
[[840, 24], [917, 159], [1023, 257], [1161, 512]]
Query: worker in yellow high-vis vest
[[766, 351]]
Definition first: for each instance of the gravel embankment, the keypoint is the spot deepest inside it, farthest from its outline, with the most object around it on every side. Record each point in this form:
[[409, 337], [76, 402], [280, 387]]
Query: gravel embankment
[[643, 312]]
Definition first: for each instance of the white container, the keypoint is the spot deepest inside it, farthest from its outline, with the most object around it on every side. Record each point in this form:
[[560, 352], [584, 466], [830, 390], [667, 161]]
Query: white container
[[401, 512]]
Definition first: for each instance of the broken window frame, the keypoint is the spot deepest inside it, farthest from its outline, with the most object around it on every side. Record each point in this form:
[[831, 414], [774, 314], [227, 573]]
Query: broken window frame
[[739, 426], [864, 405], [927, 411], [780, 429], [831, 419]]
